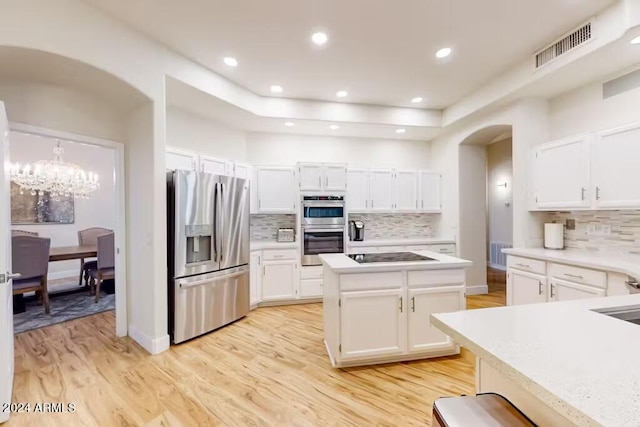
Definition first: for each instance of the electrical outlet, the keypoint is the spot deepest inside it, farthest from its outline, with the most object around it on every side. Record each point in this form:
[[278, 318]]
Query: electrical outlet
[[605, 230], [591, 230], [571, 224]]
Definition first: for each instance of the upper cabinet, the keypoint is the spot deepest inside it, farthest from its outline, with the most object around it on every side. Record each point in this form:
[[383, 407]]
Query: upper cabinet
[[180, 159], [357, 190], [216, 166], [406, 191], [242, 170], [322, 177], [381, 190], [430, 192], [276, 189], [615, 159]]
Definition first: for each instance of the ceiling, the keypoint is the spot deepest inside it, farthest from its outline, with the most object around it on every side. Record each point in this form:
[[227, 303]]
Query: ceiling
[[380, 52]]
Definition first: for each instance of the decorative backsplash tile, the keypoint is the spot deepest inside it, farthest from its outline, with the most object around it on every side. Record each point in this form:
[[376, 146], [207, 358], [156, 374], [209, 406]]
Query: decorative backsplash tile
[[265, 227], [625, 230], [396, 225]]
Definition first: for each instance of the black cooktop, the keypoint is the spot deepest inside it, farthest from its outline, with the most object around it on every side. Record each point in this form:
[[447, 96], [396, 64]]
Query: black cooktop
[[389, 257]]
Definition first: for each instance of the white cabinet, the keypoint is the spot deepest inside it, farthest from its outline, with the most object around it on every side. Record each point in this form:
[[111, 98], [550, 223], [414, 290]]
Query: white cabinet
[[615, 160], [381, 190], [255, 278], [430, 192], [276, 193], [179, 159], [561, 174], [525, 288], [372, 323], [242, 170], [279, 280], [421, 304], [215, 166], [357, 190], [563, 290], [322, 177], [406, 191]]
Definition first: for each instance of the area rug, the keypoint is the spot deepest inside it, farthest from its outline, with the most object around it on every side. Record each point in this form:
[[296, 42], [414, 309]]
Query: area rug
[[63, 308]]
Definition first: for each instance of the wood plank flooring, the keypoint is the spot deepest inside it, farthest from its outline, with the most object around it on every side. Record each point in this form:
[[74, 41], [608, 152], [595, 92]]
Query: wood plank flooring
[[270, 368]]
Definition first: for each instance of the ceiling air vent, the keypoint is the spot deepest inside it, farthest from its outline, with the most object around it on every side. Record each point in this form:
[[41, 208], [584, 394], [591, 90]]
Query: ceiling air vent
[[564, 45]]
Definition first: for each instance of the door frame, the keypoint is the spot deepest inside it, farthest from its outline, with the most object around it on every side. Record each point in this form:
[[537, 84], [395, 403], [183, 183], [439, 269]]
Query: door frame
[[120, 228]]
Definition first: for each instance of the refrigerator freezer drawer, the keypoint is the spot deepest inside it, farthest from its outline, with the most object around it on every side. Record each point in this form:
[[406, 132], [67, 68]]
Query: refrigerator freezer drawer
[[206, 302]]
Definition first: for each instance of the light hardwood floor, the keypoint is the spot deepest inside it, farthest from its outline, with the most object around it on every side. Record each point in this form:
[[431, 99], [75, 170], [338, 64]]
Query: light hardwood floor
[[270, 368]]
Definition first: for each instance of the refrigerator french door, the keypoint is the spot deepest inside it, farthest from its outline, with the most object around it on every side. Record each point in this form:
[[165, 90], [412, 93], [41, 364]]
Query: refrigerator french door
[[6, 301], [208, 236]]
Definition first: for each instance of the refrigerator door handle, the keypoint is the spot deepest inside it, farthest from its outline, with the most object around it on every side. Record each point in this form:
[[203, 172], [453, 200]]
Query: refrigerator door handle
[[216, 231], [187, 284], [219, 221]]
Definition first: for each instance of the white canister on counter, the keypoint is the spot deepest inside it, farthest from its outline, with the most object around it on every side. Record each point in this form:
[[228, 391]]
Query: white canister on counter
[[554, 236]]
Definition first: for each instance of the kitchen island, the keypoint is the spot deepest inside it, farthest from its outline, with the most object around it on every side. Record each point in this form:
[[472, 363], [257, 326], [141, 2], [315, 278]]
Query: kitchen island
[[561, 363], [376, 307]]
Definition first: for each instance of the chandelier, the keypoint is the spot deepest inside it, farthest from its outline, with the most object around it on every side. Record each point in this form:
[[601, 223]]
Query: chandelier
[[55, 177]]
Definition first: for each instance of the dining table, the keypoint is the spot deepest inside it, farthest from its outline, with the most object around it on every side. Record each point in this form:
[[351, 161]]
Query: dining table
[[65, 253]]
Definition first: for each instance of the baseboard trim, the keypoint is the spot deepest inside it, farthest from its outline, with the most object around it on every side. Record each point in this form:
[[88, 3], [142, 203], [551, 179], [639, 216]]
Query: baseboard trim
[[152, 345], [290, 302], [477, 290], [497, 266]]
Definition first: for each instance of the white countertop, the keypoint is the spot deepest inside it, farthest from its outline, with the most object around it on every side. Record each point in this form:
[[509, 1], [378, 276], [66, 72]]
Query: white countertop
[[258, 245], [628, 264], [341, 263], [393, 242], [583, 364]]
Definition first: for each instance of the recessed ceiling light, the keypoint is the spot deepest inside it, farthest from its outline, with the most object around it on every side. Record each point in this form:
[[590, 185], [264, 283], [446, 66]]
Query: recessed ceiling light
[[417, 100], [289, 124], [401, 130], [443, 53], [334, 127], [276, 89], [342, 94], [636, 40], [319, 38], [231, 61]]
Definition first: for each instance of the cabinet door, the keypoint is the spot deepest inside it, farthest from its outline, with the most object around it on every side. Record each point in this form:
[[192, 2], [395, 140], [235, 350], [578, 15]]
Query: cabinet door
[[561, 174], [279, 280], [335, 177], [615, 161], [406, 191], [561, 290], [430, 189], [215, 166], [255, 277], [381, 190], [357, 190], [311, 176], [276, 190], [242, 170], [424, 302], [181, 160], [525, 288], [372, 323]]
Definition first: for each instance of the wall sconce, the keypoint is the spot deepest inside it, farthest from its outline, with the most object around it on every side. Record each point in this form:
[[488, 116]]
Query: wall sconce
[[502, 184]]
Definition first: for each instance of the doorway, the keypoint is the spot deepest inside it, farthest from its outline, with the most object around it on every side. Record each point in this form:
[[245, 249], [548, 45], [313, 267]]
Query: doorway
[[61, 221]]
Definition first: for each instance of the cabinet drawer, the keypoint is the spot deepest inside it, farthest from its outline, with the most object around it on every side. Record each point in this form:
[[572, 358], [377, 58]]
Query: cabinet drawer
[[311, 288], [579, 275], [447, 248], [362, 250], [365, 281], [436, 278], [527, 264], [279, 254], [314, 272]]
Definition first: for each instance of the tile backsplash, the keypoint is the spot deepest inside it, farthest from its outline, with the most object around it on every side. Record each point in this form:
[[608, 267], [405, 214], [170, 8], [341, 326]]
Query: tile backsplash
[[265, 227], [396, 225], [588, 234]]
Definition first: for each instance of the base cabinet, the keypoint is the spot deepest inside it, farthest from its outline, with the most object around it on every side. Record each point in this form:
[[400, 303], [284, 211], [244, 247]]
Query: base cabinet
[[421, 304], [525, 288], [279, 280], [562, 290], [255, 278]]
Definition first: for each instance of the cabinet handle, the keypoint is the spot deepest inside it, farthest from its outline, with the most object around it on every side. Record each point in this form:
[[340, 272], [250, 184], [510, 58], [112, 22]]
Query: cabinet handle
[[372, 204], [523, 265], [539, 288], [416, 204], [259, 203], [597, 193], [413, 304], [366, 203], [326, 181], [423, 204], [319, 181], [400, 304], [575, 276], [583, 191], [552, 294]]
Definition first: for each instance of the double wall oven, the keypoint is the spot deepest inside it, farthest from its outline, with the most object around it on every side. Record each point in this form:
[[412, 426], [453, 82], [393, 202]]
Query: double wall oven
[[323, 225]]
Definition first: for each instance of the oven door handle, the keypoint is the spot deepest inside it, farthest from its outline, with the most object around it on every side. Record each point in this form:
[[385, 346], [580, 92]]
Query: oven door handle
[[323, 230]]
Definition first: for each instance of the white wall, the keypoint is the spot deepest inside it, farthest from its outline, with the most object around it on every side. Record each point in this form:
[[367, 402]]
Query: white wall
[[280, 149], [205, 136], [584, 110], [500, 170], [98, 211]]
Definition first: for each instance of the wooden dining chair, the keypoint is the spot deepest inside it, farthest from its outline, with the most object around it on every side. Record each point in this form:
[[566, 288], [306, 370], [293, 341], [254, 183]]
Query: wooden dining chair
[[30, 258], [89, 236], [105, 267], [24, 233]]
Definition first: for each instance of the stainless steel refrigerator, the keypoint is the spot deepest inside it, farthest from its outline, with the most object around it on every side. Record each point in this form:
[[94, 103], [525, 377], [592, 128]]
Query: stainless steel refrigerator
[[208, 252]]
